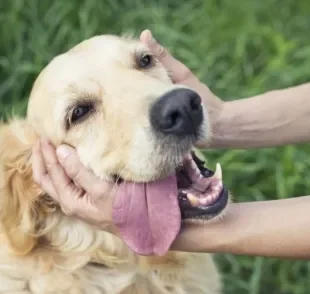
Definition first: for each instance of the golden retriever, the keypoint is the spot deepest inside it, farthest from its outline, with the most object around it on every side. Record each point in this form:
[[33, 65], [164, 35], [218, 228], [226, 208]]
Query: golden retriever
[[114, 102]]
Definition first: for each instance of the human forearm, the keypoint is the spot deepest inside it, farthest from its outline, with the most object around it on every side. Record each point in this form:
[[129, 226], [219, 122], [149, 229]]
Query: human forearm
[[272, 119], [278, 228]]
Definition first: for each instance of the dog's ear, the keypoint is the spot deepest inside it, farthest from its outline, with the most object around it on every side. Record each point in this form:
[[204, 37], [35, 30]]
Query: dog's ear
[[23, 206]]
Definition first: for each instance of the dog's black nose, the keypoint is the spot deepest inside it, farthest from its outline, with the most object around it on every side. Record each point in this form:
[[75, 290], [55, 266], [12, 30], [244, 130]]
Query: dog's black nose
[[178, 112]]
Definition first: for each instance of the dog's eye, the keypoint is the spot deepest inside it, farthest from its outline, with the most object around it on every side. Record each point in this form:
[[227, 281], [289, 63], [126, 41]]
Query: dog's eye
[[145, 61], [80, 111]]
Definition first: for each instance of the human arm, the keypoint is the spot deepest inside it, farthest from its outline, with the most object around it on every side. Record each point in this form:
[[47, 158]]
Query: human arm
[[277, 228], [271, 119], [274, 118]]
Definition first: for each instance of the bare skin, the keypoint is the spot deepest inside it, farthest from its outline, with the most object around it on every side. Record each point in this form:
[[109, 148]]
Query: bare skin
[[278, 228], [258, 228], [272, 119]]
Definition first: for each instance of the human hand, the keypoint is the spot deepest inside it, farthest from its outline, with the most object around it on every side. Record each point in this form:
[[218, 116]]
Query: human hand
[[181, 74], [78, 191]]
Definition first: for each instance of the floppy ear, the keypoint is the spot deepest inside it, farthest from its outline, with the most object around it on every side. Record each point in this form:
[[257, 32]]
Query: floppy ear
[[23, 206]]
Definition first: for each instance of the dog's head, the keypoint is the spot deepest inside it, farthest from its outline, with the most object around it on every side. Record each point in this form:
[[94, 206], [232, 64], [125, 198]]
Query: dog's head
[[114, 102]]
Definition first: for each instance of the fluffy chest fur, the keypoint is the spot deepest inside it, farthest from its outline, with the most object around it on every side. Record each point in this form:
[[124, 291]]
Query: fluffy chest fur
[[89, 261], [66, 255]]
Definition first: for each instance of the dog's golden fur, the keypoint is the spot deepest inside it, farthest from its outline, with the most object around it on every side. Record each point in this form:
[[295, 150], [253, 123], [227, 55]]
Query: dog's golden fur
[[44, 251]]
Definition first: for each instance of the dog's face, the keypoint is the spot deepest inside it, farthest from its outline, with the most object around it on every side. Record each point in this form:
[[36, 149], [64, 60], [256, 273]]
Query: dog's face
[[114, 102]]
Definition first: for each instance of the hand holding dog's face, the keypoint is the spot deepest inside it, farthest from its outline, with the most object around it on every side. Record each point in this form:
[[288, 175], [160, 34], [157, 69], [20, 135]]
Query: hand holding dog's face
[[77, 190]]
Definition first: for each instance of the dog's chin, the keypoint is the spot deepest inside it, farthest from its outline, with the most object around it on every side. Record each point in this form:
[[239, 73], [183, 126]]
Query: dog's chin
[[201, 192]]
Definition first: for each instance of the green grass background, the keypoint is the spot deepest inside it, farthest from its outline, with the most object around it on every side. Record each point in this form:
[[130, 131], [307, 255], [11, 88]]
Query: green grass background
[[238, 48]]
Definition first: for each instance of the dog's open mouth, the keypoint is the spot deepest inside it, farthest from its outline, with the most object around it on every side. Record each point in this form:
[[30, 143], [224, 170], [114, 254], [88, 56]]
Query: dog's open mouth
[[201, 192], [149, 215]]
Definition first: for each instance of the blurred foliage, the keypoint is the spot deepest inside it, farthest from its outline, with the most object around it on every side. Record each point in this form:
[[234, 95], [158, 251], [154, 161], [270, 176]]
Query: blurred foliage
[[239, 48]]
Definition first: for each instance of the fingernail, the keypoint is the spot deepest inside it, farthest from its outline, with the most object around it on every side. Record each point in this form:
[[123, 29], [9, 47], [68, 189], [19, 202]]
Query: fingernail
[[63, 151], [152, 39], [148, 37]]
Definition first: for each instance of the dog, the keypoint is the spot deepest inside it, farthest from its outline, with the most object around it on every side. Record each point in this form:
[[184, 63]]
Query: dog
[[114, 102]]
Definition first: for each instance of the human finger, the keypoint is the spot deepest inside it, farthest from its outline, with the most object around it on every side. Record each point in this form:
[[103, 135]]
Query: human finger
[[79, 173], [177, 70], [39, 172], [64, 187]]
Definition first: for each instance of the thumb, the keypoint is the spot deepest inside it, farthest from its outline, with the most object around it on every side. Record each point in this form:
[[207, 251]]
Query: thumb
[[74, 168], [177, 70]]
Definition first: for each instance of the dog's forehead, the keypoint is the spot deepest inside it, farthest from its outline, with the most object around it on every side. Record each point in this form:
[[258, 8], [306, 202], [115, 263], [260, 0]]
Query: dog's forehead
[[106, 48], [93, 57]]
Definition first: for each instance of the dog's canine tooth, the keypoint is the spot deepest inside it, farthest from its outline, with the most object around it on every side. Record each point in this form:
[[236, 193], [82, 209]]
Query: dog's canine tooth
[[218, 172]]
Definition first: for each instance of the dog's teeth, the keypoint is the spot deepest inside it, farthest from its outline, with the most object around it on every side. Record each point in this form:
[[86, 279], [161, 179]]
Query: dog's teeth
[[218, 172], [192, 199]]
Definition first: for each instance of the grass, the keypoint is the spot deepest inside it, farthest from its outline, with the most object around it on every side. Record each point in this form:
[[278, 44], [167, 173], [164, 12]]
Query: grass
[[238, 48]]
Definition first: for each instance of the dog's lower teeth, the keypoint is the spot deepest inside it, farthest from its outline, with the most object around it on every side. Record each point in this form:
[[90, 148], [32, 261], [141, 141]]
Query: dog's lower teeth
[[207, 200], [205, 185], [194, 201]]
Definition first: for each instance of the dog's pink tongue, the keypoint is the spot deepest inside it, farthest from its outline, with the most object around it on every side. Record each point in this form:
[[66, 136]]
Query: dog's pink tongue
[[148, 215]]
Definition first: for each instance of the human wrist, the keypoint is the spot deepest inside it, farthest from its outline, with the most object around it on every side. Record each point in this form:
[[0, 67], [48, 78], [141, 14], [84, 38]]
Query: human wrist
[[238, 124], [215, 236], [213, 106], [274, 118], [222, 125]]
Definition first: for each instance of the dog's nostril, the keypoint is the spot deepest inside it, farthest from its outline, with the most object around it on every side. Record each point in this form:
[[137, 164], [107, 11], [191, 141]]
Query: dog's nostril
[[195, 103], [174, 117]]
